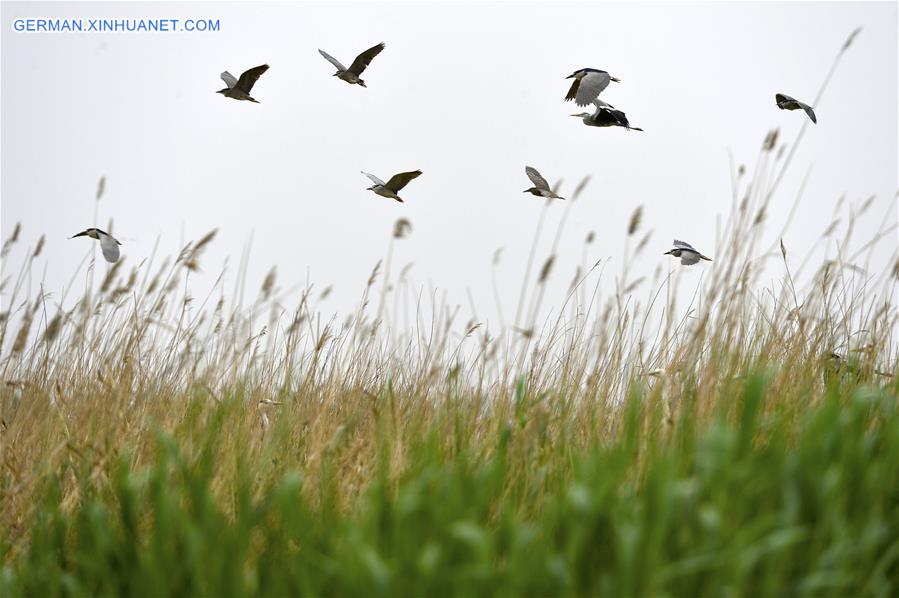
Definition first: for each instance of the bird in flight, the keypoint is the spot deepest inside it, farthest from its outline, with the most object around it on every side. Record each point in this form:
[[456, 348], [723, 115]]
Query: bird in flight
[[785, 102], [351, 75], [393, 186], [541, 188], [239, 89], [587, 85], [606, 115], [108, 244], [688, 256]]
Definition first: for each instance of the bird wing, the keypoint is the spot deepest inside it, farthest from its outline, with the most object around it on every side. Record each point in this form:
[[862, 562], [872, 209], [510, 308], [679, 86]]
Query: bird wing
[[688, 258], [332, 60], [536, 178], [682, 245], [572, 91], [373, 178], [622, 120], [248, 78], [364, 59], [591, 85], [398, 181], [110, 247], [619, 116], [229, 79], [809, 111]]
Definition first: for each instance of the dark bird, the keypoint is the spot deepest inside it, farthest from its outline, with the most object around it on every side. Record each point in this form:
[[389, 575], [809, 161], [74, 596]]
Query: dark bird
[[838, 368], [785, 102], [541, 188], [688, 256], [108, 245], [239, 89], [351, 75], [606, 115], [587, 85], [393, 186]]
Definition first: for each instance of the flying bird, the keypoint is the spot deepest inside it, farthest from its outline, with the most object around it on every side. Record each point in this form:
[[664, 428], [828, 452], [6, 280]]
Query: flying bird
[[587, 85], [108, 244], [688, 256], [541, 188], [785, 102], [351, 75], [239, 89], [606, 115], [393, 186]]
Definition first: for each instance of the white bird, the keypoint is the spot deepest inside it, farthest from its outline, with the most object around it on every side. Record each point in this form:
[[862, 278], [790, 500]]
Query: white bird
[[541, 188], [687, 254], [587, 85], [785, 102], [239, 89], [108, 244], [393, 186], [351, 75], [606, 115]]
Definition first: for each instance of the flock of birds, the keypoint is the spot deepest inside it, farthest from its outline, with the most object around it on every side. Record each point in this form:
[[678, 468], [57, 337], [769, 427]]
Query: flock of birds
[[588, 84]]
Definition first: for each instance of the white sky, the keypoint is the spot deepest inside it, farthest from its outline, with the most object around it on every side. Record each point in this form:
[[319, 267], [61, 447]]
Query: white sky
[[467, 92]]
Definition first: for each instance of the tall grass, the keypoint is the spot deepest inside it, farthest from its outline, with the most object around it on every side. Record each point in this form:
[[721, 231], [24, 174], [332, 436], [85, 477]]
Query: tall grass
[[752, 505], [155, 442]]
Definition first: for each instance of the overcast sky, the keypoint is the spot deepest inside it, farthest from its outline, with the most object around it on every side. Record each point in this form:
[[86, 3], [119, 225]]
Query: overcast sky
[[469, 93]]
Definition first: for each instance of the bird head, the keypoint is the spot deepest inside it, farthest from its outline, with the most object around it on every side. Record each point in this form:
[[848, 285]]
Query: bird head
[[574, 74], [673, 252]]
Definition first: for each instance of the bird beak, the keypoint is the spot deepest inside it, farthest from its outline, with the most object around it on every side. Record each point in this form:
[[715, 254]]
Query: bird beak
[[574, 115], [571, 75], [82, 234], [667, 252]]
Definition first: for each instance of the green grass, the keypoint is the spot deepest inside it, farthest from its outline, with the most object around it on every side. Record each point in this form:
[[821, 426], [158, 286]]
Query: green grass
[[755, 503]]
